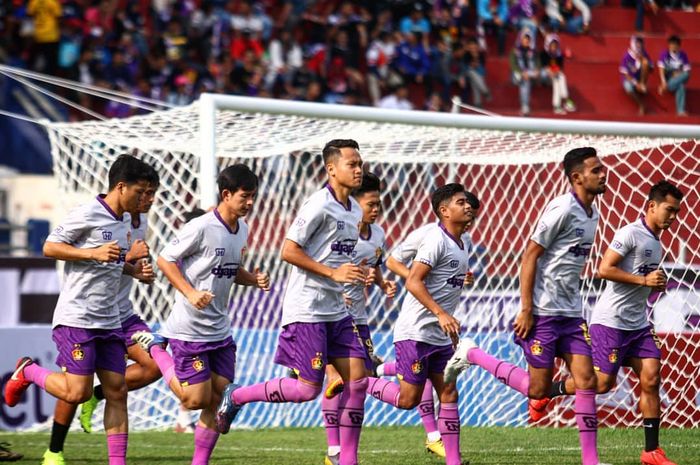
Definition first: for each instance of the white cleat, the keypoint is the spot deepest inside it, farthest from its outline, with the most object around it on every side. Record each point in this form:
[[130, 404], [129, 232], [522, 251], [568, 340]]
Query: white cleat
[[458, 362]]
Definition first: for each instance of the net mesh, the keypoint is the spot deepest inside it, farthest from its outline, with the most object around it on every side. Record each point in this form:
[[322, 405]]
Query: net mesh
[[514, 173]]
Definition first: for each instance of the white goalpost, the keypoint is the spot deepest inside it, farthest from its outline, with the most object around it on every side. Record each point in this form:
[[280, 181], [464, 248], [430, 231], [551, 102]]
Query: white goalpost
[[512, 164]]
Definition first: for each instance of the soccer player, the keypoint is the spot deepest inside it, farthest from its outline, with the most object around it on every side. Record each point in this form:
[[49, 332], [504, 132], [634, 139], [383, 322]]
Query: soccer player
[[399, 262], [550, 322], [202, 263], [426, 332], [316, 326], [620, 331], [144, 371], [369, 251], [93, 241]]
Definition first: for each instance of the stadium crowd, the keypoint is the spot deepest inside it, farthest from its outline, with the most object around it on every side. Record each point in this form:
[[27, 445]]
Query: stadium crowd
[[367, 52]]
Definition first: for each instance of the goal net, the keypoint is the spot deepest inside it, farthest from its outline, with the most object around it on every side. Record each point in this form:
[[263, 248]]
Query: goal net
[[514, 173]]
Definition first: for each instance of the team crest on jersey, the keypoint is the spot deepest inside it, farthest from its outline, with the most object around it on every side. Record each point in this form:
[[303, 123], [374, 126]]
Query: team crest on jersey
[[107, 235], [198, 365], [317, 361], [586, 334], [657, 341], [579, 232], [416, 367], [340, 225], [647, 252], [536, 348], [219, 252], [77, 353], [612, 358]]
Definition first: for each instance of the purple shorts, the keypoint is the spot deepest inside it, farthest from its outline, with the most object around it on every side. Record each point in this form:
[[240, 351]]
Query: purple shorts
[[554, 336], [83, 351], [614, 347], [366, 340], [415, 360], [195, 361], [306, 347], [131, 325]]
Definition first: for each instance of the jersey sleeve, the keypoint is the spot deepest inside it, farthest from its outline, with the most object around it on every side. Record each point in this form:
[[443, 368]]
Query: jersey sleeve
[[184, 244], [622, 242], [430, 251], [550, 225], [405, 252], [73, 227], [307, 221]]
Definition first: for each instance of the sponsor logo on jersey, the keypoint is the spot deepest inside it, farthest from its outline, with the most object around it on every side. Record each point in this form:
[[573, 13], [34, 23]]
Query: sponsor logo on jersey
[[317, 361], [581, 250], [198, 365], [77, 353], [219, 251], [107, 235], [227, 270], [416, 367], [456, 281], [344, 247], [647, 268], [612, 358], [536, 348]]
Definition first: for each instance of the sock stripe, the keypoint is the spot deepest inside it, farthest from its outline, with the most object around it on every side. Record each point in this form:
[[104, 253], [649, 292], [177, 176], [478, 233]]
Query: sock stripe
[[512, 369]]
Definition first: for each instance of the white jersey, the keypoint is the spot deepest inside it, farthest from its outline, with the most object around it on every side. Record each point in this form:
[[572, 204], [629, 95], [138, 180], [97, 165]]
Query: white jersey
[[405, 252], [89, 288], [566, 232], [623, 306], [370, 248], [209, 254], [449, 263], [126, 308], [327, 231]]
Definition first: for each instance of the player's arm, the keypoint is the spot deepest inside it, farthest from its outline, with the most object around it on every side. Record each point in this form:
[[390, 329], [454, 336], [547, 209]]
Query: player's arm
[[108, 252], [609, 270], [139, 249], [294, 254], [397, 267], [388, 286], [257, 278], [199, 299], [416, 286], [141, 270], [528, 269]]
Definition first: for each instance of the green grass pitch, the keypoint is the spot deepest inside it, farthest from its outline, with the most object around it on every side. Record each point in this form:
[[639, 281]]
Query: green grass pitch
[[379, 446]]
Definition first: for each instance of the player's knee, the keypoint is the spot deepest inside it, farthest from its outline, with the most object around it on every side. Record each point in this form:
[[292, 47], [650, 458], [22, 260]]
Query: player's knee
[[79, 395], [307, 391], [650, 382], [408, 402], [194, 403], [115, 393], [538, 391]]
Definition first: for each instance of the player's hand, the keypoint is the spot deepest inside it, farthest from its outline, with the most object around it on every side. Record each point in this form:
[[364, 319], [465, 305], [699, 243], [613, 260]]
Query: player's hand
[[469, 279], [523, 324], [143, 271], [262, 279], [449, 325], [139, 249], [108, 252], [348, 273], [389, 289], [200, 299], [656, 280]]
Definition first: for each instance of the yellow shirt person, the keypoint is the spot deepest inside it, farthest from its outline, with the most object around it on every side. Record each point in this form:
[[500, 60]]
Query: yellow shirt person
[[46, 14]]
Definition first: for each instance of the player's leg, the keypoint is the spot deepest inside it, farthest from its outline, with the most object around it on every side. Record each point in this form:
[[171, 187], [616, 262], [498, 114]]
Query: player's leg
[[329, 409], [62, 418], [154, 345], [411, 369], [448, 417]]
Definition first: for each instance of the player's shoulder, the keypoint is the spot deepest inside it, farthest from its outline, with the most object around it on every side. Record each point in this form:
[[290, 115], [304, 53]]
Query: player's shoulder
[[243, 227], [378, 234]]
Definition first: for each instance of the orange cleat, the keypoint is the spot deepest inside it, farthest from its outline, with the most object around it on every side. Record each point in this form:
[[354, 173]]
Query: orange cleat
[[537, 408], [17, 384], [655, 457]]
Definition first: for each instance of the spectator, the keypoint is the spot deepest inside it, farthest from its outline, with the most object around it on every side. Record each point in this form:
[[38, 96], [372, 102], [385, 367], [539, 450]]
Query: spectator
[[573, 16], [525, 68], [522, 14], [285, 57], [47, 33], [397, 100], [634, 70], [412, 60], [473, 73], [441, 69], [640, 6], [493, 17], [674, 71], [552, 60], [434, 103], [415, 23], [380, 56]]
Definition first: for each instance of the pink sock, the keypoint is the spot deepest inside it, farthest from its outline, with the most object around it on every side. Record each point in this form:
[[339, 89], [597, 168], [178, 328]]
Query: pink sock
[[390, 369], [587, 423], [37, 374], [448, 424], [351, 413], [384, 390], [116, 448], [329, 407], [164, 361], [204, 442], [426, 408], [277, 390], [505, 372]]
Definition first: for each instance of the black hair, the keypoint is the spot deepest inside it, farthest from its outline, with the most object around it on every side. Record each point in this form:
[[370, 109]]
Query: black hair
[[661, 189], [195, 213], [152, 175], [674, 39], [370, 183], [236, 177], [574, 159], [444, 194], [127, 169], [332, 148], [472, 200]]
